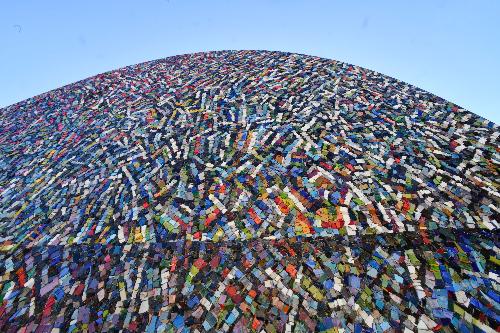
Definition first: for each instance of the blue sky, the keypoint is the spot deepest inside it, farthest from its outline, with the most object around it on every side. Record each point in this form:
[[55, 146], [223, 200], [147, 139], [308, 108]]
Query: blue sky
[[450, 48]]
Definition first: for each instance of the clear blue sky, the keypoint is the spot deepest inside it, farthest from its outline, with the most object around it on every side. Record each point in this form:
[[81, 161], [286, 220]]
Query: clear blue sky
[[450, 48]]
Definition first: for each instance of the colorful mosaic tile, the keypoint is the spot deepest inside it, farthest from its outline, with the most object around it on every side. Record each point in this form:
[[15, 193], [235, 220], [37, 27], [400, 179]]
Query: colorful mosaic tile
[[247, 191]]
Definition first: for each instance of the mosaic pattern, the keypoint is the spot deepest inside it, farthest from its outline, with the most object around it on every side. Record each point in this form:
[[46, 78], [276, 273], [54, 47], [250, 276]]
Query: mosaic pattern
[[247, 191]]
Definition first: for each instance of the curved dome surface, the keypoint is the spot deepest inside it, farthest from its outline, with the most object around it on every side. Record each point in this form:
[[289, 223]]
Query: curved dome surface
[[247, 190]]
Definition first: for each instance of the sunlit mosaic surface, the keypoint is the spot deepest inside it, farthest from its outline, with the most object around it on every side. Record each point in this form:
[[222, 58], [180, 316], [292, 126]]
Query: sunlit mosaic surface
[[247, 191]]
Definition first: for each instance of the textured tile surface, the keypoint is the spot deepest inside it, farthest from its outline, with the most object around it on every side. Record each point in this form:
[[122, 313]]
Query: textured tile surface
[[247, 191]]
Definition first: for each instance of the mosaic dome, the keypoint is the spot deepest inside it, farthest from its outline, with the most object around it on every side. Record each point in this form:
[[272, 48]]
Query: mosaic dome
[[247, 191]]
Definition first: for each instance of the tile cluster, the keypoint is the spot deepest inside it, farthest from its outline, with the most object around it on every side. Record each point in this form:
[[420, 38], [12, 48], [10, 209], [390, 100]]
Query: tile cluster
[[247, 191]]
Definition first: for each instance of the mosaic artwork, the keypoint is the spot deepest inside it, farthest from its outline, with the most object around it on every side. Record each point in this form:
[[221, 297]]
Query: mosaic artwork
[[247, 191]]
